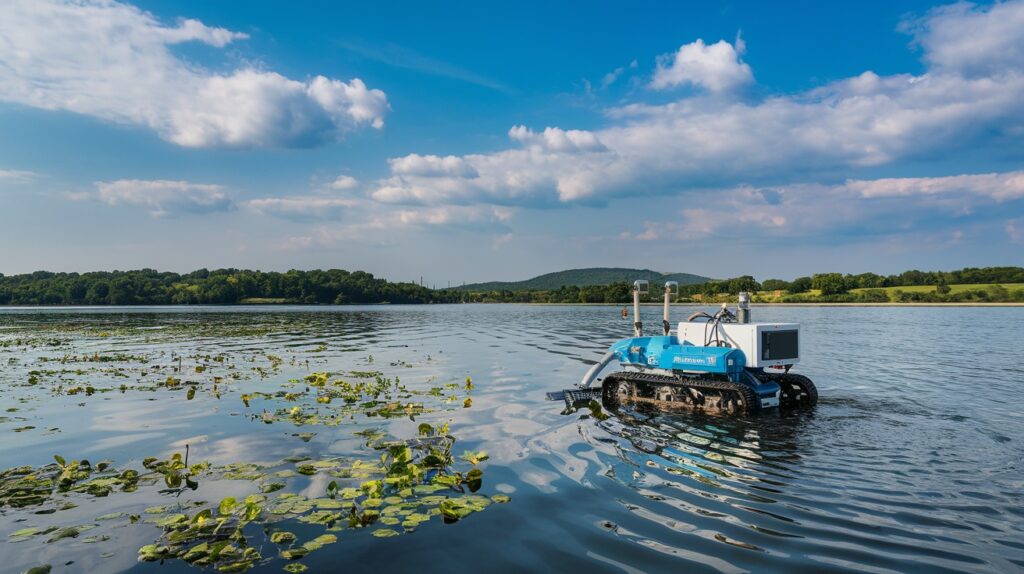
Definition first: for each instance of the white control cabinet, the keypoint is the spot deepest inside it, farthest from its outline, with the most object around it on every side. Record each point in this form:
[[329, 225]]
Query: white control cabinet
[[763, 344]]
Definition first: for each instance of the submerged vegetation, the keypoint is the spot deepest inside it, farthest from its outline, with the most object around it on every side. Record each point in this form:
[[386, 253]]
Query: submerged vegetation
[[390, 481]]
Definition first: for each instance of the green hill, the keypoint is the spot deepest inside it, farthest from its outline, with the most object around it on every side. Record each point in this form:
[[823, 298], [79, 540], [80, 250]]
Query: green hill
[[586, 277]]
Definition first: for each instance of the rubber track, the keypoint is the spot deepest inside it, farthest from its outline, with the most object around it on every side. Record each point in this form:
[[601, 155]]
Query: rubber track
[[794, 380], [750, 402]]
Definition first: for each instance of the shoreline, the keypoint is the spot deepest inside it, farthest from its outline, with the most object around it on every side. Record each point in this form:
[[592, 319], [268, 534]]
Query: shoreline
[[644, 304], [823, 304]]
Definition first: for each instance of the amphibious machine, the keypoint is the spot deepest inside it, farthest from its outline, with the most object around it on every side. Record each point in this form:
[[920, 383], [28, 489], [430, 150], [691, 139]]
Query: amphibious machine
[[719, 363]]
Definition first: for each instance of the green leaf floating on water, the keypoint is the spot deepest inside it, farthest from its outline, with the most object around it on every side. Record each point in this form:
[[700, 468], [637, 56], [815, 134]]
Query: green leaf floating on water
[[111, 516], [227, 505], [456, 508], [271, 487], [401, 488], [152, 552], [64, 533], [319, 542], [282, 537], [294, 553], [44, 569], [475, 457]]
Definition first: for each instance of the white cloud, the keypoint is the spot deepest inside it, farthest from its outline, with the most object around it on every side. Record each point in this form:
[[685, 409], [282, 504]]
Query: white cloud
[[302, 208], [857, 207], [377, 226], [165, 197], [432, 166], [1015, 229], [557, 139], [16, 176], [344, 182], [458, 216], [613, 76], [557, 158], [189, 30], [716, 67], [995, 186], [112, 61], [703, 141], [972, 40]]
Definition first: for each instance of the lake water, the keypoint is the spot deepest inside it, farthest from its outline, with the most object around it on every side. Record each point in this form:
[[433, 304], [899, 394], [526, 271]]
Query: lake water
[[912, 460]]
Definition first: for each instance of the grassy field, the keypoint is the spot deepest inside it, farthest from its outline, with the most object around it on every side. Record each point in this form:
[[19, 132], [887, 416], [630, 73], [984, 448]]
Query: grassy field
[[952, 288], [890, 292]]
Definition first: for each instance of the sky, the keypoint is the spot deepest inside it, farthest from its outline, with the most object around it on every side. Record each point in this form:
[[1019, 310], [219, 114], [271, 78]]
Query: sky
[[463, 142]]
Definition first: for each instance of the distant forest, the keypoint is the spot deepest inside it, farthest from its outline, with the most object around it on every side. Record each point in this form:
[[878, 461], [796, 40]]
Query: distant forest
[[222, 286], [334, 286], [818, 288]]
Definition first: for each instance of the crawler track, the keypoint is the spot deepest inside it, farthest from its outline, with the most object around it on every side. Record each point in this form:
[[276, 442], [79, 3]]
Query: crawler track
[[667, 393], [797, 391]]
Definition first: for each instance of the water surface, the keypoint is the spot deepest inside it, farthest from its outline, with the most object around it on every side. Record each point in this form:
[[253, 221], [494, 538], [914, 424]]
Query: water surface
[[912, 460]]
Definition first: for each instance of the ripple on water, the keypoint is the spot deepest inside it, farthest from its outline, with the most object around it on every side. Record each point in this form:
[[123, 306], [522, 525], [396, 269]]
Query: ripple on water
[[911, 461]]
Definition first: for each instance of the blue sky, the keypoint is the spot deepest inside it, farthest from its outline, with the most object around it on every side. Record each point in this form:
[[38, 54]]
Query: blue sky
[[466, 141]]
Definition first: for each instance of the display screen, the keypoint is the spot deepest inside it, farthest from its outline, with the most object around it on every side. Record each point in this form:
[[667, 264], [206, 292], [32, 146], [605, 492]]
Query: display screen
[[776, 345]]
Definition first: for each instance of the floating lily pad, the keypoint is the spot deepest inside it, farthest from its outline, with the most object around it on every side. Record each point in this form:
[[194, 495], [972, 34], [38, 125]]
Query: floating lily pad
[[64, 533], [282, 537], [294, 553]]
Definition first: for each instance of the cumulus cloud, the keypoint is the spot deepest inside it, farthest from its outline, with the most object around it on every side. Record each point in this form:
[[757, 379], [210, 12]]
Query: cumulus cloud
[[855, 207], [710, 140], [344, 182], [511, 177], [967, 39], [716, 67], [112, 61], [557, 139], [432, 166], [165, 197]]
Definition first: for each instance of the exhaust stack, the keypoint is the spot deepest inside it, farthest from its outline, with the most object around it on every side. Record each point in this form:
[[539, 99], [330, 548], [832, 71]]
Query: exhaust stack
[[640, 286], [671, 288], [743, 308]]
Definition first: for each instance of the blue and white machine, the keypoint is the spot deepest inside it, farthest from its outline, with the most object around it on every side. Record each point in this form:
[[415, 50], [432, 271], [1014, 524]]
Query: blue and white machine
[[719, 363]]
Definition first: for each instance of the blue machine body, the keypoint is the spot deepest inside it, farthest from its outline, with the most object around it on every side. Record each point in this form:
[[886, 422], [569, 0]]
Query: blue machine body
[[668, 353]]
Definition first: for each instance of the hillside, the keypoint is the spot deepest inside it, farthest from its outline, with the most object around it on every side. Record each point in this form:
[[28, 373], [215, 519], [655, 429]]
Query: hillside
[[586, 277]]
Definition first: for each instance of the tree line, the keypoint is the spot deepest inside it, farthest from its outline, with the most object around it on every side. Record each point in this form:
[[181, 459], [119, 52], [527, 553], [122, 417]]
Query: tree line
[[335, 286], [221, 286], [821, 287]]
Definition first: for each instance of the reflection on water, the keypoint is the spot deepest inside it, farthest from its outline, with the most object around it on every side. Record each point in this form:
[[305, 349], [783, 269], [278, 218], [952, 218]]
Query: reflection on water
[[911, 461]]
